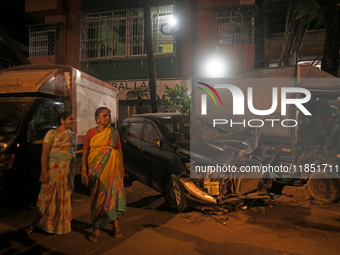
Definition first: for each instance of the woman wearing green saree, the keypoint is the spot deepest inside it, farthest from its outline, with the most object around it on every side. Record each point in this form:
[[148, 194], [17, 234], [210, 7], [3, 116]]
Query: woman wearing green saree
[[54, 211], [103, 170]]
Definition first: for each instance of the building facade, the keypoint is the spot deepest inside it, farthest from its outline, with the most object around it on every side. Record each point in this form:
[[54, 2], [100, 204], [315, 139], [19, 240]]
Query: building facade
[[105, 38]]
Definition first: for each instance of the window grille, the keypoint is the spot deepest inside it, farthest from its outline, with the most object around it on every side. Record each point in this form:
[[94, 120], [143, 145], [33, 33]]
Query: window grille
[[43, 40], [235, 25], [117, 31]]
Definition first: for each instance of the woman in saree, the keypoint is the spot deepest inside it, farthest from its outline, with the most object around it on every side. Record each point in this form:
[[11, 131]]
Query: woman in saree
[[103, 170], [54, 211]]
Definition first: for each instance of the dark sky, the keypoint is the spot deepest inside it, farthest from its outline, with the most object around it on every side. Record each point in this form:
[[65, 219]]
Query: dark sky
[[14, 19]]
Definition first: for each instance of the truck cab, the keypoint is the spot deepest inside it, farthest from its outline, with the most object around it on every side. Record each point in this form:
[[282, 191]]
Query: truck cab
[[24, 122]]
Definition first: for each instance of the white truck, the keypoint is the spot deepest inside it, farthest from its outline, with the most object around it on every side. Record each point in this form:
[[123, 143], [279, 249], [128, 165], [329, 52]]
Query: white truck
[[297, 111], [31, 97]]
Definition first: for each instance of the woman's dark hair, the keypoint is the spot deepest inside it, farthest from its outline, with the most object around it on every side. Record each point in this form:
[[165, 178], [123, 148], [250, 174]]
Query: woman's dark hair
[[63, 115], [99, 110]]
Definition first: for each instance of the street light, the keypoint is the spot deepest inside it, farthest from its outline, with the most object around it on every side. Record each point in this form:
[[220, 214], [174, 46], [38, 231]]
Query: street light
[[170, 27], [172, 21], [215, 67]]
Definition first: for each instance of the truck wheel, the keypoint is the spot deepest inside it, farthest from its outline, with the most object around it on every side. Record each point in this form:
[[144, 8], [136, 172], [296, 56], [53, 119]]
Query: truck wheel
[[324, 186], [174, 195]]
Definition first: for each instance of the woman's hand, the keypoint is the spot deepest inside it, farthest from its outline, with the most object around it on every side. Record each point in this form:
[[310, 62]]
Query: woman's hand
[[84, 179], [43, 178]]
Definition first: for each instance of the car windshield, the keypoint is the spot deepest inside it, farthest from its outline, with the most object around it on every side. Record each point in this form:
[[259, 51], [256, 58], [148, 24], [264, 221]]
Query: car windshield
[[11, 114], [177, 130]]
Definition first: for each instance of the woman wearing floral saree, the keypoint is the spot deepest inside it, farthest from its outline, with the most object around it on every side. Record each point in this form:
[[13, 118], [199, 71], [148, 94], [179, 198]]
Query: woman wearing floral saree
[[54, 211], [103, 169]]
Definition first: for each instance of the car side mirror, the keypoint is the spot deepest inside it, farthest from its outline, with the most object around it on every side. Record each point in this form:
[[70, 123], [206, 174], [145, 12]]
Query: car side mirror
[[156, 142]]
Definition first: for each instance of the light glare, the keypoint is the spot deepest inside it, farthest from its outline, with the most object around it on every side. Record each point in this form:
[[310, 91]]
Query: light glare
[[215, 68], [173, 21]]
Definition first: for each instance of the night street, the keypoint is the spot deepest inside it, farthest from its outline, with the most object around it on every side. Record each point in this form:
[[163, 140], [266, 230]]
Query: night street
[[292, 224], [170, 127]]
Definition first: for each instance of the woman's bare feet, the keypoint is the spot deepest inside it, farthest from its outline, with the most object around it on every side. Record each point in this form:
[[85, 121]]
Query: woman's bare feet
[[116, 230], [94, 236]]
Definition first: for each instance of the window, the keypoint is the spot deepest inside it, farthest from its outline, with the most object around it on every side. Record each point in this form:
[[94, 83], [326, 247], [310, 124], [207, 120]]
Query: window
[[48, 112], [176, 128], [43, 40], [150, 132], [46, 118], [135, 130], [117, 31], [235, 26], [123, 131]]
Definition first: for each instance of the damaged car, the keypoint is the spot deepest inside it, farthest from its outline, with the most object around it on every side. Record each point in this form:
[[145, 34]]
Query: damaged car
[[157, 150]]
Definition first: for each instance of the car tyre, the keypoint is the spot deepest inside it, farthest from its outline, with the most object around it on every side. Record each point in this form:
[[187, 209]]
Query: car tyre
[[174, 195], [324, 186]]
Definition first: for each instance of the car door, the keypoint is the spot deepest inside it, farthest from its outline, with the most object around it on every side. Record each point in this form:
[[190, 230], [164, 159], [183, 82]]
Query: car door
[[156, 160], [131, 133]]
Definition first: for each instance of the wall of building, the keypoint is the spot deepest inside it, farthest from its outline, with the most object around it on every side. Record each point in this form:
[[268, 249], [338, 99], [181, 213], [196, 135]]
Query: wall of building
[[137, 68], [130, 69], [238, 57], [68, 14], [312, 44], [195, 40]]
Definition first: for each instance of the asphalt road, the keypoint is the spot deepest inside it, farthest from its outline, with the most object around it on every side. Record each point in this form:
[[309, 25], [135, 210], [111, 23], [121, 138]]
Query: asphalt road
[[291, 224]]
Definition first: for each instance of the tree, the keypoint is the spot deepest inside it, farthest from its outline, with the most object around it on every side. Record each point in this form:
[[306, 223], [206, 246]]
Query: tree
[[296, 28], [176, 99], [138, 94], [325, 13], [149, 53]]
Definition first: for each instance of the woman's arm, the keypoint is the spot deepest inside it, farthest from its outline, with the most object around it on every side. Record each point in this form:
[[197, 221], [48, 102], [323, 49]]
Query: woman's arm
[[44, 161], [84, 176]]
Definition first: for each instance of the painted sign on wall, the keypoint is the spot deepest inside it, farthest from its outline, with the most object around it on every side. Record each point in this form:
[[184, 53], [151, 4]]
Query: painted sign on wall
[[125, 86]]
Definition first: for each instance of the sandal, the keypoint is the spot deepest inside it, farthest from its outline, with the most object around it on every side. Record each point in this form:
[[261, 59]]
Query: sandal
[[94, 236], [29, 230], [117, 232]]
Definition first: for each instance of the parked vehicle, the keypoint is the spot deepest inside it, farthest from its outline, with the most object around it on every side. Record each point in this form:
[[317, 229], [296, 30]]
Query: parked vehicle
[[31, 97], [310, 149], [156, 149]]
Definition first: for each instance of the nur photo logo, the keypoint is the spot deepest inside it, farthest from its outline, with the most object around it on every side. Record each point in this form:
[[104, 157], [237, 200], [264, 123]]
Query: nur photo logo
[[240, 103], [204, 97]]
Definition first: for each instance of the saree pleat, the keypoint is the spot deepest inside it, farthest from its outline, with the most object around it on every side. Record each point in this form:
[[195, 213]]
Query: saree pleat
[[107, 186]]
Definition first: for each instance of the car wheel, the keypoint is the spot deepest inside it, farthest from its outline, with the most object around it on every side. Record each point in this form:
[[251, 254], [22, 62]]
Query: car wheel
[[324, 186], [174, 195]]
